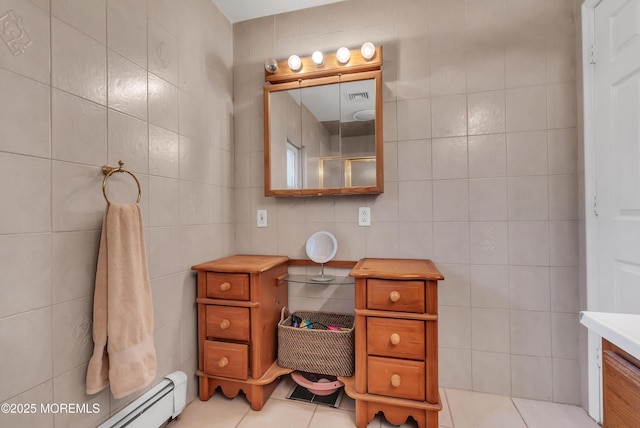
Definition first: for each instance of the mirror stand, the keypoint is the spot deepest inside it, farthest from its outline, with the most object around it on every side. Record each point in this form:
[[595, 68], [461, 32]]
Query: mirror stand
[[322, 277]]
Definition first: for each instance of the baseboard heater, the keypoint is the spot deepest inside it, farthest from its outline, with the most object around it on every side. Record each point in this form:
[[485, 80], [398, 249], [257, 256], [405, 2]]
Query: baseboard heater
[[163, 402]]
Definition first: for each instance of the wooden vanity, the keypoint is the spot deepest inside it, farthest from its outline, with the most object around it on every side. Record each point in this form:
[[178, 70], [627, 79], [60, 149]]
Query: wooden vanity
[[396, 333], [396, 321], [239, 303]]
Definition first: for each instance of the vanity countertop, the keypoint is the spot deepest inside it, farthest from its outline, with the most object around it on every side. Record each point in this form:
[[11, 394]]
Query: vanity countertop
[[623, 330]]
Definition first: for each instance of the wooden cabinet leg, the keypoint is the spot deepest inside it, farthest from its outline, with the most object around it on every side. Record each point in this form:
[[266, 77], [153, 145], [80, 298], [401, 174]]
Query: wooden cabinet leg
[[204, 388], [361, 414]]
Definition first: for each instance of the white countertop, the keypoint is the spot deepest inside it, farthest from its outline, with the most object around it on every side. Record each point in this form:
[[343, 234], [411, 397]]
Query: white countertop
[[623, 330]]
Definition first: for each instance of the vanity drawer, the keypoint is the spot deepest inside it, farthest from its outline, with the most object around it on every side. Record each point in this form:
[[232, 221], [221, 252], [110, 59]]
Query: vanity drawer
[[396, 378], [228, 286], [390, 295], [390, 337], [226, 359], [227, 322]]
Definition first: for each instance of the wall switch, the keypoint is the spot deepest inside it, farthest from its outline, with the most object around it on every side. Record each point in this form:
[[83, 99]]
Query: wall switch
[[364, 216], [262, 218]]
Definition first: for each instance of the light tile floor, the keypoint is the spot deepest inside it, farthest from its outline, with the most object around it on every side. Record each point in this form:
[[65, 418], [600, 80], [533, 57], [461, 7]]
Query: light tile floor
[[461, 409]]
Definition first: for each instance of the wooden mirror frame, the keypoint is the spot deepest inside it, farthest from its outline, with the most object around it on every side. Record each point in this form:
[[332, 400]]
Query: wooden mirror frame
[[311, 75]]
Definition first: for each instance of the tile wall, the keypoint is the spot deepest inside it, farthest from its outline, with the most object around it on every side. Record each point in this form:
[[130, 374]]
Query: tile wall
[[481, 163], [90, 82]]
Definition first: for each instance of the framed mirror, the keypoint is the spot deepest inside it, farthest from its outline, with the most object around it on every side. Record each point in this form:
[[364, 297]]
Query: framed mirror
[[323, 134]]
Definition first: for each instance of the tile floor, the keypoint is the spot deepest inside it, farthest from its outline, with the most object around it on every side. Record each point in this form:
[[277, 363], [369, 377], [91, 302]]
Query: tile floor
[[461, 409]]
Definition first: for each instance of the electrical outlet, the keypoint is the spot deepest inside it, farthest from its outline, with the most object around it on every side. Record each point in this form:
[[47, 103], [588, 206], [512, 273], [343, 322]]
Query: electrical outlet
[[364, 216], [262, 218]]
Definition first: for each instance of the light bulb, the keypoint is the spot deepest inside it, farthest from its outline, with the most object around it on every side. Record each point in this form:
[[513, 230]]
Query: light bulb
[[343, 55], [271, 65], [294, 62], [368, 50], [317, 58]]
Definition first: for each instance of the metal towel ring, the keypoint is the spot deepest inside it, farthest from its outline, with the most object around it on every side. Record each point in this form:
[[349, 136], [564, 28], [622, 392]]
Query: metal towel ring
[[108, 170]]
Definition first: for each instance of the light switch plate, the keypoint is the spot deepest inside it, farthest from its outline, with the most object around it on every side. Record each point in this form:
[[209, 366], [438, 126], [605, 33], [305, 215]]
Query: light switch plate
[[261, 220]]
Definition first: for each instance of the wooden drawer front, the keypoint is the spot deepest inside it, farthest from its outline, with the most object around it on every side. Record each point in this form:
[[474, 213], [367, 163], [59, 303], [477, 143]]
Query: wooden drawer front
[[227, 322], [396, 378], [226, 359], [395, 338], [401, 296], [620, 392], [228, 286]]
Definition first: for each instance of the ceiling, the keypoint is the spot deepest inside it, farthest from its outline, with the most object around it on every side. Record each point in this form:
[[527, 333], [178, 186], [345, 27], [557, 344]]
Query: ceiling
[[242, 10]]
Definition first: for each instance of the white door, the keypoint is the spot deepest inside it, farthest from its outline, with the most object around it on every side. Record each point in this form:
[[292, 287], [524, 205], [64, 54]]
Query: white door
[[617, 154]]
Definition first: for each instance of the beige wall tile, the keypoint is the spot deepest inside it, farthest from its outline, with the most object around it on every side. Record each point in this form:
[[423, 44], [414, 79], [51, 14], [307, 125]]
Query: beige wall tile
[[90, 16], [525, 62], [448, 72], [29, 362], [451, 200], [415, 201], [127, 29], [42, 393], [449, 116], [487, 156], [530, 333], [564, 289], [566, 383], [78, 129], [163, 103], [454, 368], [78, 63], [563, 238], [455, 290], [490, 330], [531, 377], [28, 191], [72, 334], [529, 243], [414, 119], [488, 243], [414, 160], [488, 199], [485, 70], [24, 116], [451, 242], [489, 286], [23, 287], [528, 198], [127, 86], [449, 158], [491, 372], [563, 151], [32, 60], [527, 153], [70, 388], [162, 51], [529, 288], [486, 113], [526, 108], [74, 261]]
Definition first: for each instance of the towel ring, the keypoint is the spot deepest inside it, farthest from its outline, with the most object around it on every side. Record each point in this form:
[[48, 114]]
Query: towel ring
[[108, 171]]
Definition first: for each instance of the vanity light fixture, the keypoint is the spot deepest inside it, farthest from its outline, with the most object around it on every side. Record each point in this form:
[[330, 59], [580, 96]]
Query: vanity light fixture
[[318, 58], [294, 62], [368, 50], [271, 65], [343, 55]]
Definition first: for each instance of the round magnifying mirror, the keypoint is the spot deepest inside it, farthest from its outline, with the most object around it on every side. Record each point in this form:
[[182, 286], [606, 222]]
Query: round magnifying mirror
[[322, 247]]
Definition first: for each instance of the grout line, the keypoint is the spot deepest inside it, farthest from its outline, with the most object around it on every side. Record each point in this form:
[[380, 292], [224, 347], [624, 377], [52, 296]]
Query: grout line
[[518, 410]]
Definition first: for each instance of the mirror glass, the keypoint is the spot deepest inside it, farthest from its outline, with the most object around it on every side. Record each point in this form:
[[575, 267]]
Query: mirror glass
[[323, 137]]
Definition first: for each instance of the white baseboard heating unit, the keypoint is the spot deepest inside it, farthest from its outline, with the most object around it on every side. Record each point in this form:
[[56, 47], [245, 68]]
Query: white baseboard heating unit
[[163, 402]]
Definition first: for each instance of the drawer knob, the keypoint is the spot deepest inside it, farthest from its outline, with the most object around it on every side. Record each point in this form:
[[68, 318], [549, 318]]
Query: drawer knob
[[225, 324], [395, 380], [394, 338], [225, 286], [224, 361], [394, 296]]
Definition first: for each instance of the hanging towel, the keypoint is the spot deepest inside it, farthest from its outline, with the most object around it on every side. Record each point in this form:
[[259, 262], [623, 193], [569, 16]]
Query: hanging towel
[[124, 356]]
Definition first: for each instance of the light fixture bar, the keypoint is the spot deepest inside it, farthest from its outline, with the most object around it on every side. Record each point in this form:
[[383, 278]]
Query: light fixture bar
[[309, 70]]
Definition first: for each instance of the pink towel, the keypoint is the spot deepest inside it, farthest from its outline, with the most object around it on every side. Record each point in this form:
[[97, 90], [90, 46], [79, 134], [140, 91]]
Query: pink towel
[[123, 355]]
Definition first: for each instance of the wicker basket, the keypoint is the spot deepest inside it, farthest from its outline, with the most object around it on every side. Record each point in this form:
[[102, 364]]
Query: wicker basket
[[328, 352]]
